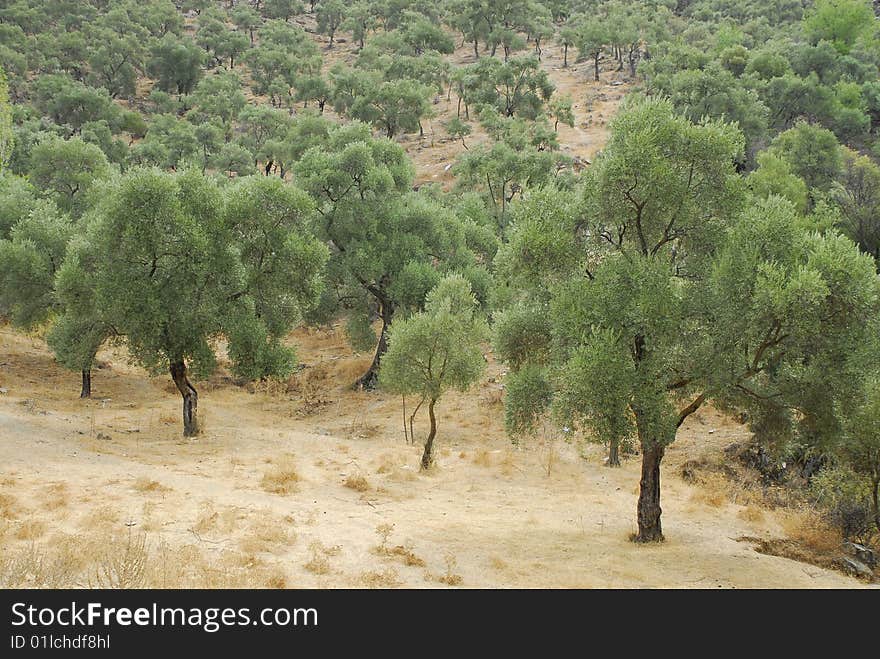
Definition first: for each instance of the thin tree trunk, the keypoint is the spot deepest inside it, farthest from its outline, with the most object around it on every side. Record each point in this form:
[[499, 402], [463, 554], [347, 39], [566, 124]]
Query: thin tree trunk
[[428, 455], [876, 496], [649, 510], [596, 68], [614, 453], [476, 50], [369, 379], [565, 56], [190, 398], [86, 391]]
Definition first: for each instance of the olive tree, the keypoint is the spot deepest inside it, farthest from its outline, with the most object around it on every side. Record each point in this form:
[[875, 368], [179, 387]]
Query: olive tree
[[5, 122], [29, 260], [80, 327], [177, 266], [436, 350], [665, 290], [67, 170], [388, 244]]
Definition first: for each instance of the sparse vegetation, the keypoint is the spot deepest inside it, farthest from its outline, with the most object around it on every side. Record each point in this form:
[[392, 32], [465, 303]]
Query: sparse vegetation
[[282, 477], [666, 215]]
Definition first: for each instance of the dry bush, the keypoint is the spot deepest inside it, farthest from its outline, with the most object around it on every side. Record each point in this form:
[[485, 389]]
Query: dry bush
[[272, 387], [359, 427], [357, 483], [282, 478], [34, 567], [809, 529], [149, 521], [384, 532], [450, 578], [311, 385], [347, 371], [168, 419], [123, 564], [403, 553]]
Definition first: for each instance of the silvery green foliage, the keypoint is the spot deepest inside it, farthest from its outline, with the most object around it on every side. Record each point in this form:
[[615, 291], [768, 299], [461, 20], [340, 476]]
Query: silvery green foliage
[[667, 287], [182, 261], [439, 348]]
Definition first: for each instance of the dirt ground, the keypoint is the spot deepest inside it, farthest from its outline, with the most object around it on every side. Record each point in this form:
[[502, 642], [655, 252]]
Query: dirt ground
[[309, 484]]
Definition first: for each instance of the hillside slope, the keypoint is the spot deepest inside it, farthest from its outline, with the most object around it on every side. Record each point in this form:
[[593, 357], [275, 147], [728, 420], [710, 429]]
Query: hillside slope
[[288, 487]]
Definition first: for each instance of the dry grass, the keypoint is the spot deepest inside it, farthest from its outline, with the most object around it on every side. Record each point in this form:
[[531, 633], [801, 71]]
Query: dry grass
[[388, 578], [387, 464], [451, 578], [34, 567], [123, 563], [807, 528], [9, 506], [751, 513], [406, 556], [55, 496], [319, 562], [311, 385], [147, 486], [357, 483], [507, 465], [99, 518], [483, 458], [712, 490], [29, 529], [267, 534], [210, 520], [809, 539], [282, 478], [492, 396], [497, 563]]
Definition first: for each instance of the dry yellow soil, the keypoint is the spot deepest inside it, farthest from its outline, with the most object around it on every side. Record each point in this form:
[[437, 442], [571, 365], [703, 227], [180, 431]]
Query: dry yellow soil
[[309, 484]]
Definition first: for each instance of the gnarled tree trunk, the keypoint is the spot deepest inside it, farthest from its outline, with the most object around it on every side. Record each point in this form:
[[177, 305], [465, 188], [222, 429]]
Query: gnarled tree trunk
[[649, 510], [190, 398], [428, 455], [86, 391], [369, 379]]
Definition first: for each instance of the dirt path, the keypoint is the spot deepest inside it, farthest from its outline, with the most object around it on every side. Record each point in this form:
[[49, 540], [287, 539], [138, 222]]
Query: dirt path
[[82, 474]]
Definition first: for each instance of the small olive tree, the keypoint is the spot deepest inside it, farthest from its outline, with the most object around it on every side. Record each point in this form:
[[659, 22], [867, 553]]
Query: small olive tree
[[436, 349]]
